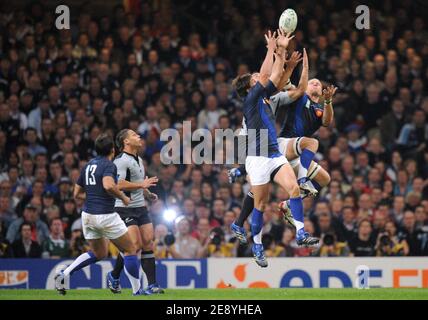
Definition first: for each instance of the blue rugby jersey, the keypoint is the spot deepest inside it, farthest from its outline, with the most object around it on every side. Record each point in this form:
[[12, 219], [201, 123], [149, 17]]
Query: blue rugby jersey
[[303, 117], [97, 201], [259, 116]]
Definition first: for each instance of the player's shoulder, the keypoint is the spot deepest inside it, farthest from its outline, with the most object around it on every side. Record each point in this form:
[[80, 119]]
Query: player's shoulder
[[254, 91], [105, 163], [120, 156], [123, 159]]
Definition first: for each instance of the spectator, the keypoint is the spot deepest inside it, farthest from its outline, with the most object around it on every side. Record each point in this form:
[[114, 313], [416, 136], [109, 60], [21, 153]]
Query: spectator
[[413, 136], [391, 123], [349, 223], [159, 245], [286, 242], [209, 117], [6, 214], [409, 232], [330, 247], [202, 231], [59, 91], [389, 243], [56, 246], [39, 230], [25, 246], [5, 247], [218, 247], [34, 147], [362, 244], [185, 246]]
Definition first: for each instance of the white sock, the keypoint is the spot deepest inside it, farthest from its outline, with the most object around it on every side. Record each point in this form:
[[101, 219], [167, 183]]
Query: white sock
[[141, 267], [299, 225], [258, 238], [303, 172], [135, 283], [77, 264]]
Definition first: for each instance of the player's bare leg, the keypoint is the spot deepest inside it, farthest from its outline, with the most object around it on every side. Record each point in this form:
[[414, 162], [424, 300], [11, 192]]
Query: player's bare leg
[[99, 250], [132, 264], [113, 281], [306, 149], [148, 262], [247, 207], [319, 177]]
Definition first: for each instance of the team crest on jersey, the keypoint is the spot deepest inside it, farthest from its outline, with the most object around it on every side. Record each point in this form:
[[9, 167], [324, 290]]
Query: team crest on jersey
[[318, 112]]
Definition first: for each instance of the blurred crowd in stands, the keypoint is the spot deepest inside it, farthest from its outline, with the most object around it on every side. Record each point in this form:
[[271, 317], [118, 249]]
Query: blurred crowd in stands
[[152, 68]]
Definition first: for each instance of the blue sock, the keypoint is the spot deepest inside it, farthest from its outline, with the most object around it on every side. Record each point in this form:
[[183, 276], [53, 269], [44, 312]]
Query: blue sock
[[132, 270], [81, 261], [296, 207], [305, 161], [257, 225]]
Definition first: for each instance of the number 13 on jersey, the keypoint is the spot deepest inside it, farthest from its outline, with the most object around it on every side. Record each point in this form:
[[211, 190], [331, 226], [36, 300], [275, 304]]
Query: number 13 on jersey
[[90, 175]]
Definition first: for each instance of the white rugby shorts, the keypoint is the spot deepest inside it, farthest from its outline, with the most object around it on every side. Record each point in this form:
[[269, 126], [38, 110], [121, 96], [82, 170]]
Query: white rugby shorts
[[282, 146], [97, 226], [260, 169]]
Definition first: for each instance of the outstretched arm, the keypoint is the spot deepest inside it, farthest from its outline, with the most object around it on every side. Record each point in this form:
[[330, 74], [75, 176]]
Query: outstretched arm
[[291, 64], [328, 115], [296, 93], [278, 66], [266, 68]]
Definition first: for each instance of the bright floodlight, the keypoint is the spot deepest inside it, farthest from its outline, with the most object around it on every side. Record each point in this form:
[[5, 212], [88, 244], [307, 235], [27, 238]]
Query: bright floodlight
[[169, 215]]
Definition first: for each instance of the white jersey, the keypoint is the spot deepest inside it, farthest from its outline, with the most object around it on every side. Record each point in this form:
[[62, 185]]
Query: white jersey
[[282, 98], [131, 168]]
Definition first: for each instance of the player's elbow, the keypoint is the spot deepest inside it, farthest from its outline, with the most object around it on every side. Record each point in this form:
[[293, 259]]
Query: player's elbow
[[108, 186]]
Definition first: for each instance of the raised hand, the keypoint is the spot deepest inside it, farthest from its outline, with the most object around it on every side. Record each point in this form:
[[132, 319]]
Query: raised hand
[[329, 92], [270, 40], [305, 59], [283, 39], [294, 60]]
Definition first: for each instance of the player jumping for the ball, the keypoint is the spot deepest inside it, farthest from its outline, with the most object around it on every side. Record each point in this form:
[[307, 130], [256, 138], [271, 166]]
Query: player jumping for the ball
[[256, 90], [303, 117]]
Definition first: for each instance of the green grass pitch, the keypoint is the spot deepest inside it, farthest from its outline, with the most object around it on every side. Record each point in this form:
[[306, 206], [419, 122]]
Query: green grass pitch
[[224, 294]]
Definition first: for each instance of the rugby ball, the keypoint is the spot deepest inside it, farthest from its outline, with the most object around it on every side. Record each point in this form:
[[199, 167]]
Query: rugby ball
[[288, 21]]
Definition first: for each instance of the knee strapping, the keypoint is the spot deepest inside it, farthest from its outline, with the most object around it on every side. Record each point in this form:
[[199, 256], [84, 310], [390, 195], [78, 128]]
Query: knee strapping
[[296, 146], [314, 171]]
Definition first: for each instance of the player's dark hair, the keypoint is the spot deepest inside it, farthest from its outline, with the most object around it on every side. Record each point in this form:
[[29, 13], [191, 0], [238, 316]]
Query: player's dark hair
[[242, 84], [104, 144], [120, 138]]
